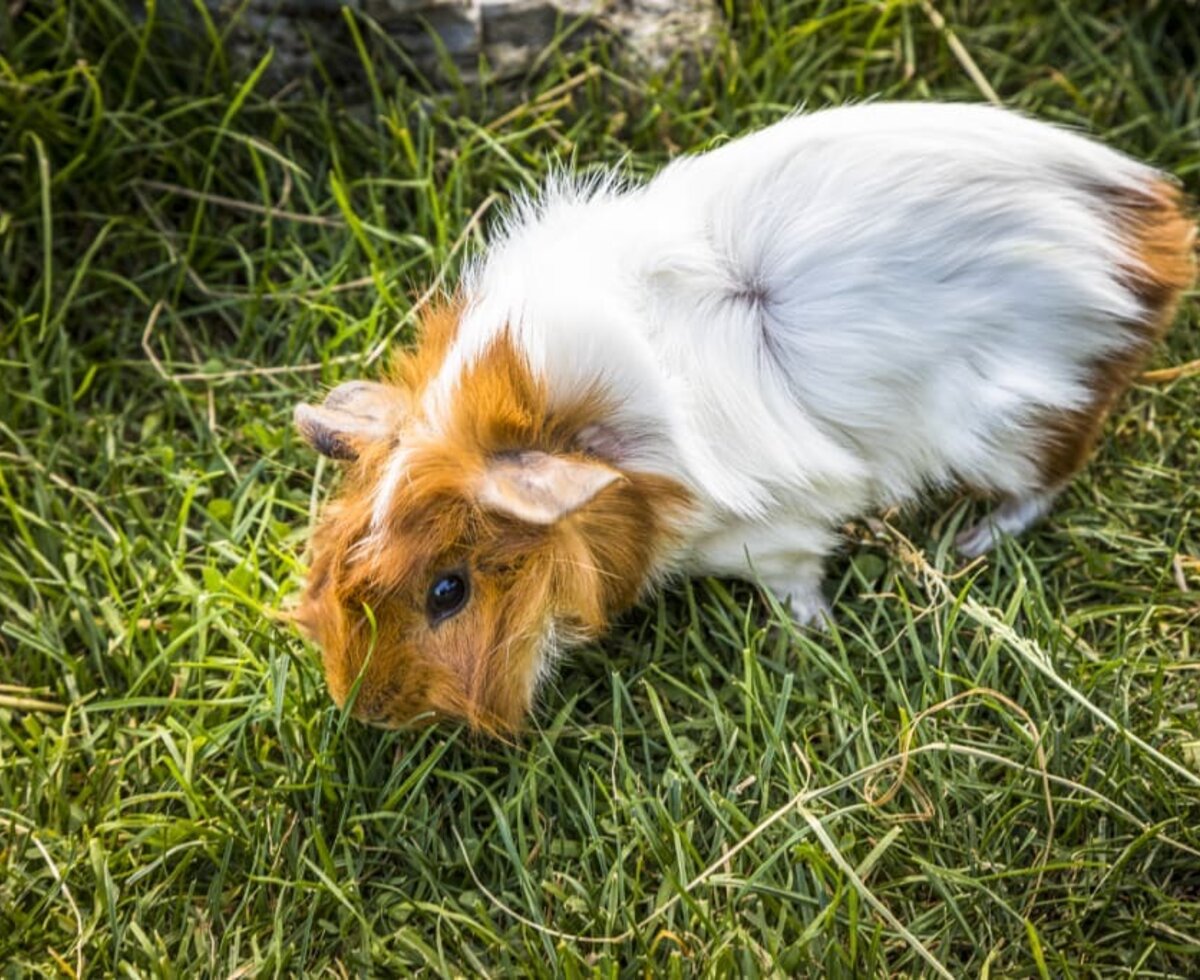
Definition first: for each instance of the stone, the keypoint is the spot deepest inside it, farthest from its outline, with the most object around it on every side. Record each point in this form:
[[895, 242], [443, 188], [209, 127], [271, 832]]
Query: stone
[[501, 38]]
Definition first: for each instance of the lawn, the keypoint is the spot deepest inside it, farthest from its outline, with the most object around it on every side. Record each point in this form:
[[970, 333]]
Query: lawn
[[987, 769]]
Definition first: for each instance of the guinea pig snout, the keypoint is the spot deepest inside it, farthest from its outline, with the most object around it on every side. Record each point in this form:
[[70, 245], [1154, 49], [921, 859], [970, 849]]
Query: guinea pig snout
[[370, 708], [380, 719], [381, 707], [387, 716]]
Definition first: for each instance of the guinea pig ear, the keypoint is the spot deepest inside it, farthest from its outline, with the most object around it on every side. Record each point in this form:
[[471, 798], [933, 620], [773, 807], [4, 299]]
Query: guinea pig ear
[[541, 488], [353, 414]]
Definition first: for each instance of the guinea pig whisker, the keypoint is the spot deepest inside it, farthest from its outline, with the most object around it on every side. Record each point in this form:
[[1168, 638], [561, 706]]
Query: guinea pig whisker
[[587, 567]]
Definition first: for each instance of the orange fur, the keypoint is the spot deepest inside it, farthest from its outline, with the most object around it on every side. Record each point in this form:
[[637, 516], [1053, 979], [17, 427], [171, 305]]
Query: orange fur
[[575, 575], [1161, 237], [412, 368]]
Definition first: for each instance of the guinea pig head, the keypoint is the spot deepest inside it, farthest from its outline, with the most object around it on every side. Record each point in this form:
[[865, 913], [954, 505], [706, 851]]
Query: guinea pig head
[[469, 542]]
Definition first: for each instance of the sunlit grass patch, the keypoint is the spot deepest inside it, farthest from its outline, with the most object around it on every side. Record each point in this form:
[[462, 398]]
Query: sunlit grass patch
[[984, 768]]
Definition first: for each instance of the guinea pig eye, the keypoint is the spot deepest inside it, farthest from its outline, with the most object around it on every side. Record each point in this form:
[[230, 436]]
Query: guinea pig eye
[[446, 596]]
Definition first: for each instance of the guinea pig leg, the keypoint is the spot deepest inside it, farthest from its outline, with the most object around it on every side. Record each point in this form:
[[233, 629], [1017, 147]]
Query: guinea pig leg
[[798, 588], [785, 557], [1012, 517]]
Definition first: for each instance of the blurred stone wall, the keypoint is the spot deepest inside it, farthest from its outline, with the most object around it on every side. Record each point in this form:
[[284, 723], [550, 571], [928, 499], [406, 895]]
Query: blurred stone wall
[[506, 37]]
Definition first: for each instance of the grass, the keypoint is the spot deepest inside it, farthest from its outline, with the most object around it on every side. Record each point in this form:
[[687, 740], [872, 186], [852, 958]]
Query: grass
[[985, 770]]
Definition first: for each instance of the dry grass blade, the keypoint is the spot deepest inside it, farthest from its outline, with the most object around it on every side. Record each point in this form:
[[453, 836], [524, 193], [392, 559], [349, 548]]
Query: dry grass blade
[[1167, 375], [960, 52], [248, 206], [435, 287], [228, 375]]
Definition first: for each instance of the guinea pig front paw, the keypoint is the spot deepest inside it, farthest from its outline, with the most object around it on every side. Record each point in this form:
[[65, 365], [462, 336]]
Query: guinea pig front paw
[[810, 610], [805, 603]]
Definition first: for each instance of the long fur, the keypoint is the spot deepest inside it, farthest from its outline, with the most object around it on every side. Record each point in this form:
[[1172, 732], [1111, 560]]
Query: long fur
[[845, 310]]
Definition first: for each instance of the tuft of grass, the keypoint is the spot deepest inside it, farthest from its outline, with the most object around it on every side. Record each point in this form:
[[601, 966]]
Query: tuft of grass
[[991, 769]]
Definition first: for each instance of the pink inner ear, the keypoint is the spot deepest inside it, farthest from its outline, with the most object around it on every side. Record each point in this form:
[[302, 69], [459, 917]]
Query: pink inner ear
[[367, 398], [353, 413], [338, 435], [541, 488]]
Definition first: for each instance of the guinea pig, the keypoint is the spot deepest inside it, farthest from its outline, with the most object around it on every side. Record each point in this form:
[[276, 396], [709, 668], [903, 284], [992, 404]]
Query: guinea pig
[[706, 374]]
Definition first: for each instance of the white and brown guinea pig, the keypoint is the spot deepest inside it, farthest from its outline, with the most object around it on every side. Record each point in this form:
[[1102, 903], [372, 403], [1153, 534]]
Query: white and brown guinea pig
[[708, 373]]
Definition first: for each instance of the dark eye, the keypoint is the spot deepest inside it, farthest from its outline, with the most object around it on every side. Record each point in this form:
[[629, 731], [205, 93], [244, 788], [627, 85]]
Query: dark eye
[[446, 596]]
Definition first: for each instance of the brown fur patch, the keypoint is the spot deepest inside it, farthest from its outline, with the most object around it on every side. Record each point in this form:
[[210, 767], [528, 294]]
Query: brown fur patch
[[1161, 237], [412, 368], [572, 576]]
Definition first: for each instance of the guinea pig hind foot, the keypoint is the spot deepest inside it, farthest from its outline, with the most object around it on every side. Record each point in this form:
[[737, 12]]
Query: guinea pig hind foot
[[1014, 515]]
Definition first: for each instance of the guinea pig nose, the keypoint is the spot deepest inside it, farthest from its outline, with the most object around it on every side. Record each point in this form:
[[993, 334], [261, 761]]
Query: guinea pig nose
[[372, 711], [365, 712]]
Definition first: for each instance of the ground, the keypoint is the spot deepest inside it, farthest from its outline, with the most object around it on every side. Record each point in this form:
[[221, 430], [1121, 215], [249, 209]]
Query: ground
[[987, 768]]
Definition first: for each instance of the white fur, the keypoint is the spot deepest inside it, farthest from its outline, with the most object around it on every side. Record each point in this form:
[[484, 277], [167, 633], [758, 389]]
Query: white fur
[[385, 490], [1011, 517], [835, 313]]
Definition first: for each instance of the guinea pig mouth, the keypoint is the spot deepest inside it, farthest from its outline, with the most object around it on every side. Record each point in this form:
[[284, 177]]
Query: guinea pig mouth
[[371, 709], [390, 723], [382, 720]]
